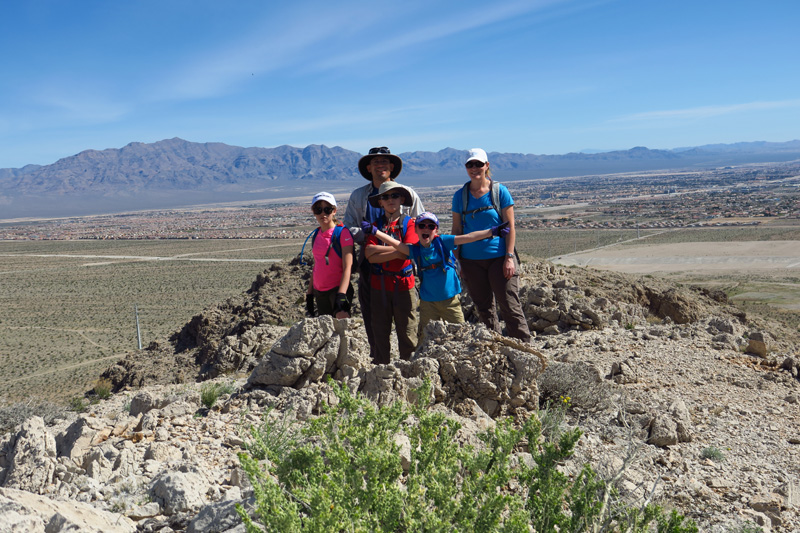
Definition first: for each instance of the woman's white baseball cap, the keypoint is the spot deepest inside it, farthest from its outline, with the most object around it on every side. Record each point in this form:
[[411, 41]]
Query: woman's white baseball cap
[[477, 154]]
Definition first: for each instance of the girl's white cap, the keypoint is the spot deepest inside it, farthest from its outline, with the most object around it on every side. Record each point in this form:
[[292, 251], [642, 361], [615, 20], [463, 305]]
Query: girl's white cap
[[326, 196]]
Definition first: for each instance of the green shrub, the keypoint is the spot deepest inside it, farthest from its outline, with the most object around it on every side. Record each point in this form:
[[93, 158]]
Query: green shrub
[[102, 388], [273, 438], [713, 453], [210, 393], [78, 404], [580, 383], [346, 475], [749, 527]]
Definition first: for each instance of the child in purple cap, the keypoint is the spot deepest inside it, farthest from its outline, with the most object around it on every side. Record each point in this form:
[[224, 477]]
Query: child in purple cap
[[436, 266]]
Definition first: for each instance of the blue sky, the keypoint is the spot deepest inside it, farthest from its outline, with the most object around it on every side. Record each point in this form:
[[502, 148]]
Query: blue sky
[[541, 77]]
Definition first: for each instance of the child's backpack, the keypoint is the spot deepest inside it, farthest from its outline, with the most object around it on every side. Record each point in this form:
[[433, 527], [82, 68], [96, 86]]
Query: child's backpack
[[335, 242], [447, 258], [377, 268]]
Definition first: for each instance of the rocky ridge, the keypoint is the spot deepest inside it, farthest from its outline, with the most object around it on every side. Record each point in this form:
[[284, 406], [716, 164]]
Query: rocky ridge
[[700, 400]]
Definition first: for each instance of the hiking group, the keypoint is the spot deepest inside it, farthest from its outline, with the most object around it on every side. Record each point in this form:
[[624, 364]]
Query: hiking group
[[395, 235]]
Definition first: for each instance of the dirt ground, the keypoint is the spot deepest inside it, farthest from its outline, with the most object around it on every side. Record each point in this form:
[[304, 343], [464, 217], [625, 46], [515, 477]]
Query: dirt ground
[[754, 257]]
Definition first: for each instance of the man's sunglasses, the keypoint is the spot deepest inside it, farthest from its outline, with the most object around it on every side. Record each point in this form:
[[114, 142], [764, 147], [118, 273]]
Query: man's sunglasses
[[422, 225], [393, 196], [474, 164], [319, 210], [379, 150]]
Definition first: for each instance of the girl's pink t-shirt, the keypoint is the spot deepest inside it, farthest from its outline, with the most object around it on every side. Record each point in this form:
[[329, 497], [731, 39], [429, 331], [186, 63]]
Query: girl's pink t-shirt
[[327, 277]]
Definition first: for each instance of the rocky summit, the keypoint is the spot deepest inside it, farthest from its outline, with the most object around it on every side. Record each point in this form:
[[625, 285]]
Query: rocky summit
[[680, 397]]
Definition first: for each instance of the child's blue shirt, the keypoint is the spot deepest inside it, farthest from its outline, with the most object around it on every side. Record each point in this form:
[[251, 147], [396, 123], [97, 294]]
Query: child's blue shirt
[[436, 284]]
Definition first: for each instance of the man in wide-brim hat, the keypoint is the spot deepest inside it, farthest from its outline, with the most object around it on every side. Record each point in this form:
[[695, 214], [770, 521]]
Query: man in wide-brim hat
[[382, 153], [379, 166]]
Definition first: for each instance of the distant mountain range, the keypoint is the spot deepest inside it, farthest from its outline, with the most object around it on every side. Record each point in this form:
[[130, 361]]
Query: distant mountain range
[[176, 172]]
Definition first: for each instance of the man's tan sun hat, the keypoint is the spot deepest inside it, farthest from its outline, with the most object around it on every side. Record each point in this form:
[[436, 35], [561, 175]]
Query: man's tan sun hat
[[391, 187]]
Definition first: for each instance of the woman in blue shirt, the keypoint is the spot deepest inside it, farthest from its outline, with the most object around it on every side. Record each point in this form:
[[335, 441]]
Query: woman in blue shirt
[[489, 267]]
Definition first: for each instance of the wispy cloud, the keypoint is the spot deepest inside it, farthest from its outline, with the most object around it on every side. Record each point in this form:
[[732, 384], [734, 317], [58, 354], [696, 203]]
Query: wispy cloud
[[62, 104], [468, 20], [315, 43], [280, 40], [706, 111], [348, 118]]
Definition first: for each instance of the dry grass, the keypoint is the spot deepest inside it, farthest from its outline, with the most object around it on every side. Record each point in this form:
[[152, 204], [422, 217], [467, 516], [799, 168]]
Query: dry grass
[[64, 319], [748, 233]]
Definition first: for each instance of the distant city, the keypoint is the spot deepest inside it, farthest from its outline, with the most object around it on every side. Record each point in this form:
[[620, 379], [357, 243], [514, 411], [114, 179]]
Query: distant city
[[729, 196]]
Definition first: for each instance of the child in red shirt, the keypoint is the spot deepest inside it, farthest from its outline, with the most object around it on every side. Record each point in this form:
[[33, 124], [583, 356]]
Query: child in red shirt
[[393, 296]]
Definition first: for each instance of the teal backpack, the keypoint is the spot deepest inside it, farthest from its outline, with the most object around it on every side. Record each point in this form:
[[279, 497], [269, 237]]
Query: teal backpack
[[447, 258]]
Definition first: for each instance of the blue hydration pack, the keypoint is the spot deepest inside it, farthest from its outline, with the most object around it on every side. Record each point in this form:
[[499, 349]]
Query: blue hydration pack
[[335, 243], [446, 256]]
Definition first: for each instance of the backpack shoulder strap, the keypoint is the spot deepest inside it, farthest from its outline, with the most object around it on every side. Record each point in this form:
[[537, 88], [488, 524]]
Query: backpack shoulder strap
[[464, 198], [440, 247], [336, 239], [404, 227], [313, 237], [415, 256], [495, 197]]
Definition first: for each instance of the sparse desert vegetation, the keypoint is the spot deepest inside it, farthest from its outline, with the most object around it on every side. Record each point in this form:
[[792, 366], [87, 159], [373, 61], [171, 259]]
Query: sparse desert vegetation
[[67, 308]]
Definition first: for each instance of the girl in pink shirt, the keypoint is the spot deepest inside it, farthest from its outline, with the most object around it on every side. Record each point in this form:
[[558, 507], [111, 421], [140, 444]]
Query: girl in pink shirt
[[329, 289]]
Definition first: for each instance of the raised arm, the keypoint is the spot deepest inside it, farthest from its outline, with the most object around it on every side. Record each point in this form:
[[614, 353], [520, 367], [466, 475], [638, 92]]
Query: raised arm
[[495, 231], [401, 247]]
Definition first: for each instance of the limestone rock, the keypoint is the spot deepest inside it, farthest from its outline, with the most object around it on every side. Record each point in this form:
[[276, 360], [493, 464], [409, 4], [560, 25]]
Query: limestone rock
[[663, 431], [221, 516], [304, 355], [32, 462], [178, 491], [76, 439], [497, 373], [24, 512], [144, 401], [756, 347]]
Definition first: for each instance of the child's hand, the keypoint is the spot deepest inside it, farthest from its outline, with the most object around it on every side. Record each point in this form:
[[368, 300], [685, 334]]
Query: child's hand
[[502, 230], [341, 306], [368, 228]]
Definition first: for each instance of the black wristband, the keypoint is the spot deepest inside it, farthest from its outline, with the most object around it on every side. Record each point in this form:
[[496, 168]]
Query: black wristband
[[310, 309], [342, 303]]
